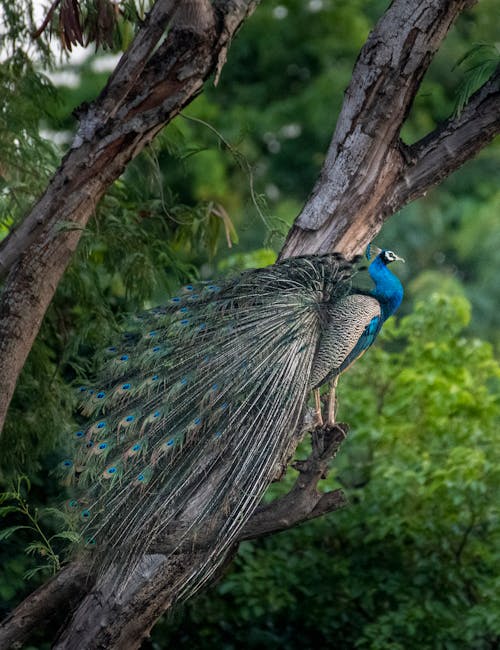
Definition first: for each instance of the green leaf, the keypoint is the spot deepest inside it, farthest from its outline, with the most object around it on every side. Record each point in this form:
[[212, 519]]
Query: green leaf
[[5, 510], [67, 534], [37, 547], [33, 572], [7, 532]]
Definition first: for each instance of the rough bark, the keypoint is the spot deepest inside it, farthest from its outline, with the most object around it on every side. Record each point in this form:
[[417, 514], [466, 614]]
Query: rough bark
[[368, 174], [44, 606]]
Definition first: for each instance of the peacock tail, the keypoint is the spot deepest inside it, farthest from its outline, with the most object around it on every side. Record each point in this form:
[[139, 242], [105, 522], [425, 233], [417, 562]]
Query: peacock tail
[[213, 384]]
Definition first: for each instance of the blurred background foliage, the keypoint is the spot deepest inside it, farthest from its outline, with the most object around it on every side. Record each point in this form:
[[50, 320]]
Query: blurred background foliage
[[414, 562]]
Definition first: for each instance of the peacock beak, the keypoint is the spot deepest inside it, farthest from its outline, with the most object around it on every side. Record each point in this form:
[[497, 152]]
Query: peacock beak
[[399, 259]]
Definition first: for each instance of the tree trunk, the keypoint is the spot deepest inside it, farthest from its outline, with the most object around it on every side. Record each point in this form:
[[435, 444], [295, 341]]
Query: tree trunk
[[368, 175], [144, 93]]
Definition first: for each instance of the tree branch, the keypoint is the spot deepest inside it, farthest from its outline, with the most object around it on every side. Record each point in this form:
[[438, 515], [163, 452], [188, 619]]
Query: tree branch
[[304, 501], [447, 148], [50, 602]]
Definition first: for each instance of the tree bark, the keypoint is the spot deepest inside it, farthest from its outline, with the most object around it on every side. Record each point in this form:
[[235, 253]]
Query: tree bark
[[44, 606], [368, 175]]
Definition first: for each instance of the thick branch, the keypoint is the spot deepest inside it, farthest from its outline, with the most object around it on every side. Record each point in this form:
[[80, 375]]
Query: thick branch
[[348, 204], [43, 607], [447, 148], [119, 84]]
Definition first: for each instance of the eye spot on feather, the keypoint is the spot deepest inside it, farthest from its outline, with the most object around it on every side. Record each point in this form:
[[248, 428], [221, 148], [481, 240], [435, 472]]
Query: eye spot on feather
[[112, 349], [214, 387], [100, 448], [124, 357], [67, 463], [156, 414], [184, 381], [90, 444], [101, 425], [129, 418], [156, 348], [85, 514], [79, 434], [218, 434], [82, 389], [90, 541], [184, 321], [126, 386], [202, 327], [152, 333], [184, 309], [109, 472], [101, 394], [132, 451], [189, 287], [143, 477], [176, 299], [197, 421], [72, 504]]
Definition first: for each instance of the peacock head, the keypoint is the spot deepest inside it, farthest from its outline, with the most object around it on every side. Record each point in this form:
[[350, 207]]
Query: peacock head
[[387, 257]]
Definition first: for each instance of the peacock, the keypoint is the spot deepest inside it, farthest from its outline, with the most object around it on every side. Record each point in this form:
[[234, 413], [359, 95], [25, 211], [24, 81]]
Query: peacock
[[214, 384]]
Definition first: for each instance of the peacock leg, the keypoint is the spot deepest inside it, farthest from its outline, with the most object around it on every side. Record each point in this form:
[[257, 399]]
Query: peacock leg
[[332, 400], [317, 402]]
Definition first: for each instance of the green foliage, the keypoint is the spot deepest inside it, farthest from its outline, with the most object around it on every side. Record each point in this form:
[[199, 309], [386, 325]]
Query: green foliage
[[26, 159], [414, 561], [480, 62], [40, 544], [17, 28]]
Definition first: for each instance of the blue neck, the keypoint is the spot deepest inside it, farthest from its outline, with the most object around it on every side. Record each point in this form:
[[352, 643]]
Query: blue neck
[[388, 289]]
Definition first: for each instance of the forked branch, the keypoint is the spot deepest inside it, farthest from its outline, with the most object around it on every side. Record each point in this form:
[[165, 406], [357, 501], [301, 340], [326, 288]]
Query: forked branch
[[304, 501]]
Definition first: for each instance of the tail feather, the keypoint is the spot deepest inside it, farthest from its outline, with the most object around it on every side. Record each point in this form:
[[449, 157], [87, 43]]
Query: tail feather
[[212, 384]]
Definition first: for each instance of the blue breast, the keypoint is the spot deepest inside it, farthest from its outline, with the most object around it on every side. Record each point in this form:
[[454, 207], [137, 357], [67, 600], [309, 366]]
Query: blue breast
[[388, 289]]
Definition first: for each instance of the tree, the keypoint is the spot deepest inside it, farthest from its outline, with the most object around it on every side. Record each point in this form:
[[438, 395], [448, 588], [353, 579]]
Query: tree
[[367, 176]]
